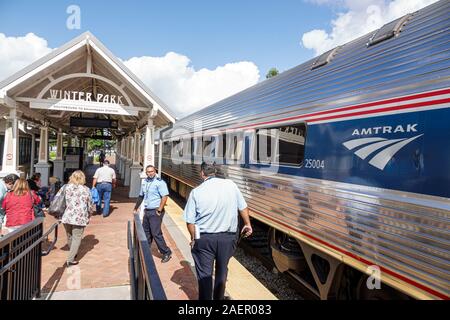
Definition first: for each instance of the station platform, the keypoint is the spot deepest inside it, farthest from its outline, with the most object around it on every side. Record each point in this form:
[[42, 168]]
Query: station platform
[[102, 273]]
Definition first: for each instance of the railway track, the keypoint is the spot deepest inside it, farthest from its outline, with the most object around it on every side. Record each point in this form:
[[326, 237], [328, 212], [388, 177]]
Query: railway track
[[264, 269]]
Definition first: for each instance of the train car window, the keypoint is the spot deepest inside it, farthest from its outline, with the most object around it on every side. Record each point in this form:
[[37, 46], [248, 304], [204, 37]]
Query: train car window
[[192, 146], [209, 146], [221, 146], [224, 145], [389, 30], [234, 146], [266, 140], [185, 150], [186, 147], [284, 145], [177, 148], [166, 147], [198, 147]]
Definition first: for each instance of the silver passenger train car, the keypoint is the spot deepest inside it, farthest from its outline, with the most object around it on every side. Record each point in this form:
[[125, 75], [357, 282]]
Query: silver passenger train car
[[345, 159]]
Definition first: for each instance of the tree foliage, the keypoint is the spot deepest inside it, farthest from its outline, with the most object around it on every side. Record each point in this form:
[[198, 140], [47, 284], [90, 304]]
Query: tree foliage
[[97, 144], [272, 73]]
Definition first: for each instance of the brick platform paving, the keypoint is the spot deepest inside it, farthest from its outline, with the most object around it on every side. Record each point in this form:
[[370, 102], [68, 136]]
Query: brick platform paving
[[103, 255]]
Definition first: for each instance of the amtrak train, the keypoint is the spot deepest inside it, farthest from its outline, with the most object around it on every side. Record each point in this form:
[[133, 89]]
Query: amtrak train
[[345, 159]]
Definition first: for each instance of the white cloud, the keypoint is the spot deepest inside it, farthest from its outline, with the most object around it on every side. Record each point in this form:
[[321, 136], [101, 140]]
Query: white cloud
[[185, 89], [171, 77], [358, 18], [18, 52]]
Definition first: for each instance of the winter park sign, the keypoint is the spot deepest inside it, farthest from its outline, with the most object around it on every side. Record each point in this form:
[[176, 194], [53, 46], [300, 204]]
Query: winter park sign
[[79, 101], [84, 96]]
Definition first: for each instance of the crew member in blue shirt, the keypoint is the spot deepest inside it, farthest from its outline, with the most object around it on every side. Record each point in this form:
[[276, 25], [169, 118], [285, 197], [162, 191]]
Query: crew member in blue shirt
[[211, 214], [154, 194]]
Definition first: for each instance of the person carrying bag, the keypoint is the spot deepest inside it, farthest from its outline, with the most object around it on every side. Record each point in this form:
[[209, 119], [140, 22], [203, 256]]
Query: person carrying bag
[[19, 205], [38, 212], [58, 205]]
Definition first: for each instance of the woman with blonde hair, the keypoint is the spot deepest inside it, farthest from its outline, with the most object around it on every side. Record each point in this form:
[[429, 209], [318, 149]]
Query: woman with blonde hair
[[18, 205], [79, 207]]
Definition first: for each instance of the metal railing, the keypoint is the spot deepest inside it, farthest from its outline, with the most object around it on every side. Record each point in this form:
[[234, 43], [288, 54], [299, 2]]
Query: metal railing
[[144, 278], [21, 260]]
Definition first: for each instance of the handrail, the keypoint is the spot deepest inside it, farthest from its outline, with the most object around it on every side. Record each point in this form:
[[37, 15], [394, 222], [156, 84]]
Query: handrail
[[21, 260], [52, 245], [147, 283], [131, 263], [30, 248], [16, 234]]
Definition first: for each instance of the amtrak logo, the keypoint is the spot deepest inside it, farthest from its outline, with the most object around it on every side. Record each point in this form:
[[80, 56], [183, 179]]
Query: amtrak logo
[[386, 148]]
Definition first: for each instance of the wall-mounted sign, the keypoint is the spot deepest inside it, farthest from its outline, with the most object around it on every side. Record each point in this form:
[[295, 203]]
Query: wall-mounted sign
[[85, 96], [93, 123]]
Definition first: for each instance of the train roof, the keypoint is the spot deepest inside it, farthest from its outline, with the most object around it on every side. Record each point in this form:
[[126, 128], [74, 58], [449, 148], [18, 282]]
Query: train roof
[[405, 56]]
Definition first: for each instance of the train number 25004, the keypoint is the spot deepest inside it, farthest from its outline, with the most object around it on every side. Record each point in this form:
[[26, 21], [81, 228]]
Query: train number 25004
[[314, 164]]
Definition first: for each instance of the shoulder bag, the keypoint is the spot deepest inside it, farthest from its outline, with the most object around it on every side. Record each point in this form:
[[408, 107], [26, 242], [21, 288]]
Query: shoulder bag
[[38, 212], [58, 205]]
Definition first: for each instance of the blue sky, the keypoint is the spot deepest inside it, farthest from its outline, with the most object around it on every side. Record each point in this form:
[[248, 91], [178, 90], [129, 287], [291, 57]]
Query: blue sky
[[193, 53], [211, 33]]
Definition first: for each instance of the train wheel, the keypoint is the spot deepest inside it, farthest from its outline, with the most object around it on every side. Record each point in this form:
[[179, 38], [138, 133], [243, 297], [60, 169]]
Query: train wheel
[[286, 253]]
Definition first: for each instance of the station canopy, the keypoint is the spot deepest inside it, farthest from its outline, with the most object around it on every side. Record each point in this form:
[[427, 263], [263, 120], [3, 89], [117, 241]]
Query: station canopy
[[79, 87]]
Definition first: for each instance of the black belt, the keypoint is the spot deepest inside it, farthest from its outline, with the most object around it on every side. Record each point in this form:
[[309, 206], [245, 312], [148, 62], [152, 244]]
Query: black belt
[[105, 182], [225, 232]]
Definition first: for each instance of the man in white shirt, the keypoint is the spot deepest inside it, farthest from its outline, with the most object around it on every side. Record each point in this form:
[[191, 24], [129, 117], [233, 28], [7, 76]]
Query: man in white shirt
[[104, 181]]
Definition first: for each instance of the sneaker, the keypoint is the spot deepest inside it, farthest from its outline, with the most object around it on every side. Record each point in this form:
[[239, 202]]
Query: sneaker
[[73, 263], [166, 257]]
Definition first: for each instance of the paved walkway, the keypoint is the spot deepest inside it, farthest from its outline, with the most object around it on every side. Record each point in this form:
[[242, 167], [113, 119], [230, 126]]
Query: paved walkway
[[103, 257], [103, 269]]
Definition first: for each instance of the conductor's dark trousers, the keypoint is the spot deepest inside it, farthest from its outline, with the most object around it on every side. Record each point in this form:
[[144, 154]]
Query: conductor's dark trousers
[[213, 246], [152, 228]]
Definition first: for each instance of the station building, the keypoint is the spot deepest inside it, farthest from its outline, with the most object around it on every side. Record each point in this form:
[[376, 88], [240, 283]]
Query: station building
[[70, 94]]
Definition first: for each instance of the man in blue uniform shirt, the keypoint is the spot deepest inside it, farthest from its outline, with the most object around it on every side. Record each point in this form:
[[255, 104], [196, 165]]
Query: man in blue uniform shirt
[[154, 194], [211, 214]]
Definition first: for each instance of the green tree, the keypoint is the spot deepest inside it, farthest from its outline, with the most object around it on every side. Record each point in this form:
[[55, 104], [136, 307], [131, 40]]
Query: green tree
[[94, 144], [272, 73]]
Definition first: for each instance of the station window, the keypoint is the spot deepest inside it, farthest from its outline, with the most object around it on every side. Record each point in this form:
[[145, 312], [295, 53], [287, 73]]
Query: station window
[[284, 145], [2, 140], [25, 150]]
